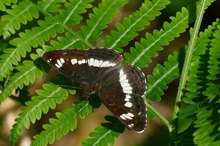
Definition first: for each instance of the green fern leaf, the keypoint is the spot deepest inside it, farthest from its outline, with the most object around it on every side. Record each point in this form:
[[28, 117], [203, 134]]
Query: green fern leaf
[[63, 43], [194, 81], [131, 25], [70, 16], [105, 135], [100, 18], [7, 62], [31, 38], [19, 14], [50, 6], [65, 122], [161, 77], [208, 116], [213, 67], [144, 51], [185, 138], [202, 93], [48, 98], [207, 123], [204, 40], [27, 74], [87, 107], [5, 3]]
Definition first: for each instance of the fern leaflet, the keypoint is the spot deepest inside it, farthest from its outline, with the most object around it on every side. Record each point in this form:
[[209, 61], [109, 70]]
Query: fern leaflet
[[65, 122], [207, 117], [48, 98], [145, 50], [5, 3], [162, 75], [17, 17], [100, 18], [131, 25], [27, 74], [106, 134]]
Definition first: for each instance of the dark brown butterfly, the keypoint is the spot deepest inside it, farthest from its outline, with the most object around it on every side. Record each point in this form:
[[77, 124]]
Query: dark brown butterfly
[[119, 88]]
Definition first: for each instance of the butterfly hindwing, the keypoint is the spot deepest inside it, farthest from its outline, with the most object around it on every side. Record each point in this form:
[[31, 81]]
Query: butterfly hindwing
[[129, 108], [122, 95]]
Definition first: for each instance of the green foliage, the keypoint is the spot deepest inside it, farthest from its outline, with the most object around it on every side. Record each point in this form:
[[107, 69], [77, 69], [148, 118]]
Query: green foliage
[[202, 91], [58, 127], [27, 73], [161, 76], [147, 48], [49, 97], [30, 28], [133, 24], [106, 134]]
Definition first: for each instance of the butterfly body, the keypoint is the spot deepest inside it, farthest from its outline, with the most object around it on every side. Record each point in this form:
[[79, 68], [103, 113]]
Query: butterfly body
[[119, 88]]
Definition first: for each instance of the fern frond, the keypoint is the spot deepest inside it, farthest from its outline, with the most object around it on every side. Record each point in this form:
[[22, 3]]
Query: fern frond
[[208, 116], [131, 25], [31, 38], [100, 18], [214, 64], [19, 14], [162, 75], [204, 40], [106, 134], [50, 6], [207, 124], [63, 43], [84, 109], [39, 104], [194, 85], [64, 123], [71, 15], [143, 52], [185, 138], [27, 74], [47, 29], [202, 88], [5, 3]]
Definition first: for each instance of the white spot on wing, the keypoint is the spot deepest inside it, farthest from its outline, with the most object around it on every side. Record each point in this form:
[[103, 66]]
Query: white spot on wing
[[60, 62], [49, 60], [122, 76], [131, 125], [73, 61], [91, 62], [82, 61], [128, 104], [126, 87], [105, 63], [96, 63], [127, 97], [127, 116], [100, 63]]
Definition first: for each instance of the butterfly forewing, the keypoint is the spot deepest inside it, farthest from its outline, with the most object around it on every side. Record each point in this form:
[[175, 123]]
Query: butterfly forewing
[[83, 66], [70, 63]]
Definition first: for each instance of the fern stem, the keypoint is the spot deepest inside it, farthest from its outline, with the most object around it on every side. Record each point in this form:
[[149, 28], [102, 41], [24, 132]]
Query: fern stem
[[186, 66], [161, 117]]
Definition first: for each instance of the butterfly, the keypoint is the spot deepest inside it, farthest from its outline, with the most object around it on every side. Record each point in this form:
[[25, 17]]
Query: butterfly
[[120, 88]]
